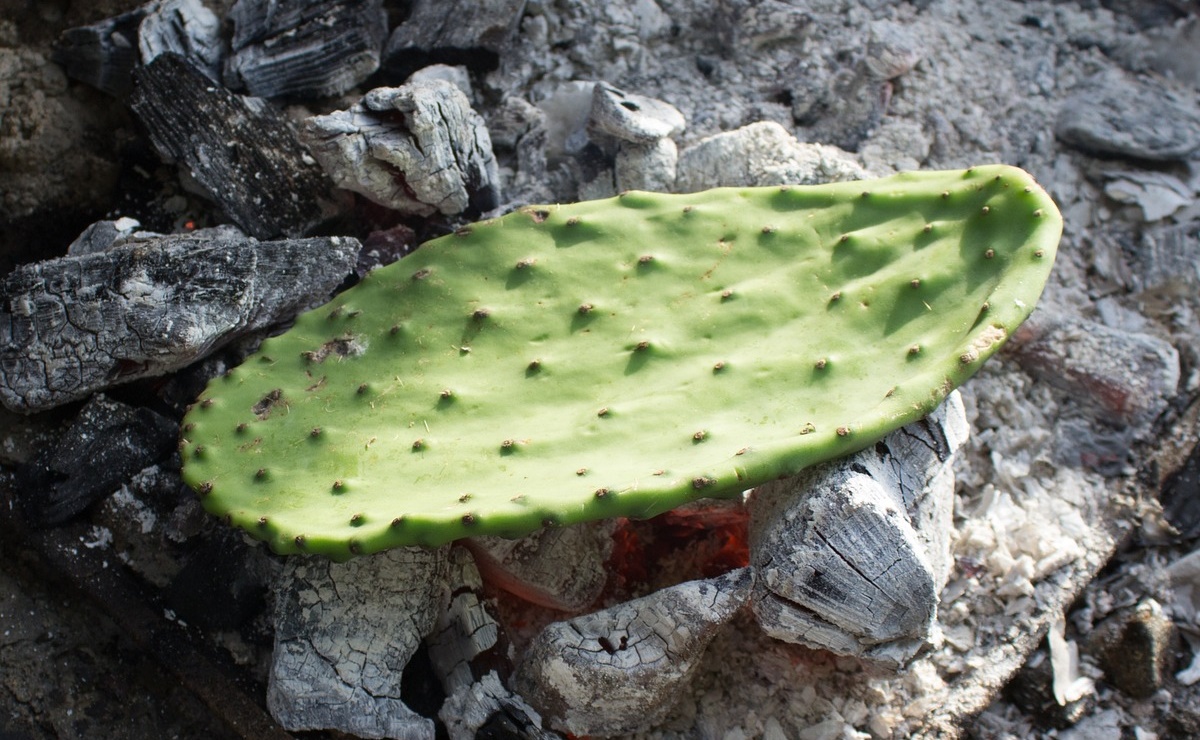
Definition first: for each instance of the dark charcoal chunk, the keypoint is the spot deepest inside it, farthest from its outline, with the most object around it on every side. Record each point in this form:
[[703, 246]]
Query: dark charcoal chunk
[[75, 325], [243, 151], [472, 33], [103, 54], [220, 585], [305, 47], [106, 444], [1181, 497]]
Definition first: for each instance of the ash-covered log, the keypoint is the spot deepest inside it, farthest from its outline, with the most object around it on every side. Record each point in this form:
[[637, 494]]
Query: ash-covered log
[[241, 150], [471, 33], [307, 48], [344, 633], [418, 148], [623, 668], [78, 324], [851, 554]]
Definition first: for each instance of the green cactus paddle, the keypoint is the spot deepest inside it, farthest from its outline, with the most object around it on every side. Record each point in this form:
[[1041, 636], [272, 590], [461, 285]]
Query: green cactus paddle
[[618, 358]]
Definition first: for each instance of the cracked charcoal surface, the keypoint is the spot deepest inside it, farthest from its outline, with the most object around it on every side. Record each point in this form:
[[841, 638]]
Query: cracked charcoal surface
[[418, 149], [270, 188], [618, 669], [343, 634], [853, 553], [75, 325], [472, 33]]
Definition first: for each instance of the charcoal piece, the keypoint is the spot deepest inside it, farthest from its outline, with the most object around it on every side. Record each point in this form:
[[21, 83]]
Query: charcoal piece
[[101, 236], [75, 325], [419, 149], [309, 48], [1181, 496], [243, 151], [488, 710], [1127, 378], [106, 444], [1136, 646], [466, 642], [471, 33], [103, 54], [183, 27], [1114, 114], [343, 635], [623, 668], [220, 586], [852, 554]]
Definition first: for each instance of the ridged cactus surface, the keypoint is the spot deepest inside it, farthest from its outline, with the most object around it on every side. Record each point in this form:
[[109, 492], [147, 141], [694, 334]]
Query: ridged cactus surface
[[618, 358]]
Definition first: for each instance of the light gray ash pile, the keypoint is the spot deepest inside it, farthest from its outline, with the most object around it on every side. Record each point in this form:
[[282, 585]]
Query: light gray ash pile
[[181, 178]]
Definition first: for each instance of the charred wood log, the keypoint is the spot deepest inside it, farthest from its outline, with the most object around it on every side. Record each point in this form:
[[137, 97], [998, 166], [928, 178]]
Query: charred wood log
[[852, 554], [309, 48], [75, 325], [242, 151]]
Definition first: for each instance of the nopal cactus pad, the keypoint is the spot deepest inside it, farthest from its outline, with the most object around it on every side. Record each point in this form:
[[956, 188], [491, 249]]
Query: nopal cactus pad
[[618, 358]]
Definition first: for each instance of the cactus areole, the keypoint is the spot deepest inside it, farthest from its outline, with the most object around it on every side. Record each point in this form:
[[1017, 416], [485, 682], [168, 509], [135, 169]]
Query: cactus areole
[[618, 358]]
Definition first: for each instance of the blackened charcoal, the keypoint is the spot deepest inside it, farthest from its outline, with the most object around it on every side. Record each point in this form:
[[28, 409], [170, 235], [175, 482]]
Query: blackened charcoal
[[472, 33], [106, 444], [75, 325], [1181, 497], [243, 151], [419, 149], [221, 585], [311, 48], [105, 54]]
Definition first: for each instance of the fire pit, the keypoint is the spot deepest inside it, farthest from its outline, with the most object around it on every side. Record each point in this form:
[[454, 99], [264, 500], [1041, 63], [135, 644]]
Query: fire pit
[[272, 159]]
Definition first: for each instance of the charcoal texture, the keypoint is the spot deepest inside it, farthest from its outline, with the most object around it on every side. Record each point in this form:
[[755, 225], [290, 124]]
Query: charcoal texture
[[243, 151]]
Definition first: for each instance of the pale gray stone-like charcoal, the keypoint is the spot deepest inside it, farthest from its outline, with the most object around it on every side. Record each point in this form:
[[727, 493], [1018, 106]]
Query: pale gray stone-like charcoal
[[105, 445], [75, 325], [418, 148], [241, 150], [1129, 377], [646, 166], [623, 668], [851, 554], [761, 154], [559, 567], [343, 634], [105, 54], [633, 118], [472, 33], [186, 28], [466, 641], [1137, 117], [102, 235], [471, 657], [310, 48]]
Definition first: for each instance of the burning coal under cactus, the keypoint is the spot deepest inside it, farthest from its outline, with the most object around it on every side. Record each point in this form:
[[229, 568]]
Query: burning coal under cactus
[[618, 358]]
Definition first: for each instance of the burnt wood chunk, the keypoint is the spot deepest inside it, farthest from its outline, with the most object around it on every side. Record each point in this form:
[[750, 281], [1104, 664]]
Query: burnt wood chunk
[[419, 149], [343, 635], [307, 48], [75, 325], [852, 554], [104, 54], [99, 452], [471, 33], [241, 150], [623, 668]]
